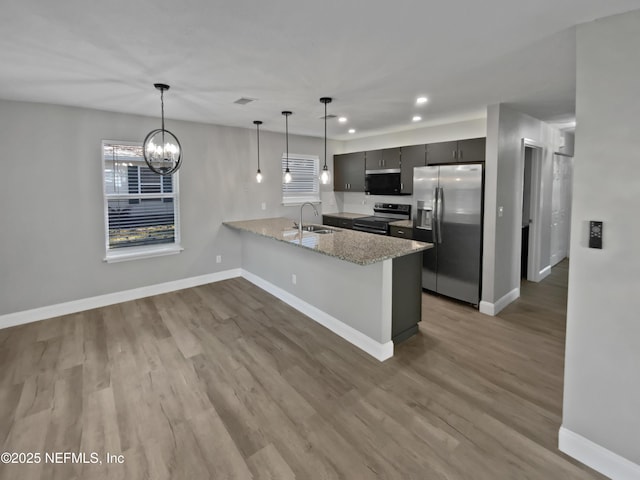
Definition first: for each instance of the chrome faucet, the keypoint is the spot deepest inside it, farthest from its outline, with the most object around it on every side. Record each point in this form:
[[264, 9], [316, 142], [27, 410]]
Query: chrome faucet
[[315, 212]]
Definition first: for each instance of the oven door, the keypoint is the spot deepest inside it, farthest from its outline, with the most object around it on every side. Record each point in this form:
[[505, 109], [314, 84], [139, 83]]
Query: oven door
[[382, 182], [369, 229]]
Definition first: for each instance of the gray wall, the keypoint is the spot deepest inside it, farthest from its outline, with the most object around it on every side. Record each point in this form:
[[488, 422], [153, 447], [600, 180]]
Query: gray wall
[[351, 293], [52, 241], [602, 365], [504, 168]]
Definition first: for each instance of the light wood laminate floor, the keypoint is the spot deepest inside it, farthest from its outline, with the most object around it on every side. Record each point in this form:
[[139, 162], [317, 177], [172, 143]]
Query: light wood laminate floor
[[224, 381]]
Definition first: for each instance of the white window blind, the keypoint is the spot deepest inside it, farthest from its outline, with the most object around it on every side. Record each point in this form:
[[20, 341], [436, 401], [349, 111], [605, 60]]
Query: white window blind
[[141, 207], [305, 185]]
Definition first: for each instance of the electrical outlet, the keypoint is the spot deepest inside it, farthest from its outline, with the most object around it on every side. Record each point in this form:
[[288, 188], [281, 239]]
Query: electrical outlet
[[294, 279], [264, 205], [218, 258]]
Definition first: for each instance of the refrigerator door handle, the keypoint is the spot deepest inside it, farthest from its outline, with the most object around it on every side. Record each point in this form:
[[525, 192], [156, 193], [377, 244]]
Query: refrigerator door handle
[[439, 200], [436, 212]]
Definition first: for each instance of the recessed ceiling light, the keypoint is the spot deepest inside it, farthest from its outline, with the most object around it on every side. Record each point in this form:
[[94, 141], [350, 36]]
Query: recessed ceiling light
[[352, 130], [421, 100], [342, 119], [417, 118]]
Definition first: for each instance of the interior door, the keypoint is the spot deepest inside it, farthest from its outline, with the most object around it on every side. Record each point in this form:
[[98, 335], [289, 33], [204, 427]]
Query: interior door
[[560, 208], [460, 231], [425, 184]]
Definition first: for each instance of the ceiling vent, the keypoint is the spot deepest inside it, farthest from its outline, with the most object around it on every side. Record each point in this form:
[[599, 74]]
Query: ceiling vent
[[244, 100], [329, 117]]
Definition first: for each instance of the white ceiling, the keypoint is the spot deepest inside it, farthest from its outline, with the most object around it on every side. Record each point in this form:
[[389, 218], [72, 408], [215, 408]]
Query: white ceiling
[[373, 57]]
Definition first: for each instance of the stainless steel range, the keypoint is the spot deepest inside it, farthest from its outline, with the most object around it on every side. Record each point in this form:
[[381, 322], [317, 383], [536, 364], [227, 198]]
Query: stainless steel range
[[383, 215]]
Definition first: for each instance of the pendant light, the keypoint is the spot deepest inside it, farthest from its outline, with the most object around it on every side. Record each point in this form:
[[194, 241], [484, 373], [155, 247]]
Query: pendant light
[[257, 123], [161, 149], [287, 173], [325, 176]]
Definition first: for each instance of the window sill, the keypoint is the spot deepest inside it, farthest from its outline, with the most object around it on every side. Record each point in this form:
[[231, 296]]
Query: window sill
[[137, 253], [300, 201]]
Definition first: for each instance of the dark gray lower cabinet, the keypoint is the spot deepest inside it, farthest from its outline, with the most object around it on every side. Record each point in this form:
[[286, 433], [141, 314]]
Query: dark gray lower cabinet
[[406, 310], [340, 222], [401, 232]]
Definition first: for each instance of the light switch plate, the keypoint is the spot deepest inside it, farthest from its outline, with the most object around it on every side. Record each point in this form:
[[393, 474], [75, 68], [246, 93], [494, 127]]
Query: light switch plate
[[595, 234]]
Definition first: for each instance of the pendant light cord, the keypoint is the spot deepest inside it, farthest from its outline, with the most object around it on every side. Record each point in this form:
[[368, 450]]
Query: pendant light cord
[[286, 123], [325, 135], [258, 132], [162, 110]]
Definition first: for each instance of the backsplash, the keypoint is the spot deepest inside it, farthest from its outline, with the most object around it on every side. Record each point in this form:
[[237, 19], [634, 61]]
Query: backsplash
[[358, 202]]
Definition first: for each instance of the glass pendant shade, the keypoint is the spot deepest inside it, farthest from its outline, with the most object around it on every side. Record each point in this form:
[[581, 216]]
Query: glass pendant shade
[[286, 178], [325, 176], [161, 149], [259, 176]]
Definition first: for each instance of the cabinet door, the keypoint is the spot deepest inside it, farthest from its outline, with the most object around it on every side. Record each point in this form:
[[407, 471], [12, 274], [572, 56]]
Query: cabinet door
[[391, 158], [401, 232], [340, 170], [355, 172], [373, 160], [329, 220], [413, 156], [348, 173], [472, 150], [443, 152]]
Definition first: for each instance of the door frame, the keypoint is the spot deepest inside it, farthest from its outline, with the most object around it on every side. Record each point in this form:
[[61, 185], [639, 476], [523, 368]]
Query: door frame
[[535, 232]]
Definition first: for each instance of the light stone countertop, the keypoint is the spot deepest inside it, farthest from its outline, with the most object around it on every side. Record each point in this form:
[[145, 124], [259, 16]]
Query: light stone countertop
[[346, 215], [349, 245], [402, 223]]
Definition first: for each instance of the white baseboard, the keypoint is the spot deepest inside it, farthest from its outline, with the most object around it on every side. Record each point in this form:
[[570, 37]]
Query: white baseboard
[[493, 309], [379, 351], [74, 306], [544, 273], [597, 457]]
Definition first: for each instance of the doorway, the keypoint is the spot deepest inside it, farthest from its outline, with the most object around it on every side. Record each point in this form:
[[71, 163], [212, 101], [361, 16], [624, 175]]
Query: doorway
[[529, 225], [526, 212]]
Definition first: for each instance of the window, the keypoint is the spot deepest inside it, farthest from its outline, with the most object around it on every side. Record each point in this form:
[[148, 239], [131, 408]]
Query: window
[[141, 207], [305, 185]]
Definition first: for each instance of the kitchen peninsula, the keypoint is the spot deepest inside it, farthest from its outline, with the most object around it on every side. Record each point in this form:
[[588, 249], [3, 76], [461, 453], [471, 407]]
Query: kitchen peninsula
[[364, 287]]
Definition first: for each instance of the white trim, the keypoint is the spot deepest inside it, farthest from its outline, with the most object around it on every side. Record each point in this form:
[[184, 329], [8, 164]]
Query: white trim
[[535, 239], [597, 457], [493, 309], [544, 273], [42, 313], [379, 351], [136, 253]]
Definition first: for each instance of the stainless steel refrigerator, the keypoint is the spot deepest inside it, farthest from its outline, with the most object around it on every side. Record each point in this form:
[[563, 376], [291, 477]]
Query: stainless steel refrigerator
[[449, 215]]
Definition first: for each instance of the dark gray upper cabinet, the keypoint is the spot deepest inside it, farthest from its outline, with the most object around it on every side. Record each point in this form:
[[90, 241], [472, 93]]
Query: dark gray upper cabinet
[[462, 151], [348, 173], [382, 159], [391, 158], [442, 152], [373, 160], [472, 150], [411, 157]]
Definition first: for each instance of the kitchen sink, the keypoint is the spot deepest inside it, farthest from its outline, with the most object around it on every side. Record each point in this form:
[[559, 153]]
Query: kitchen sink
[[318, 229]]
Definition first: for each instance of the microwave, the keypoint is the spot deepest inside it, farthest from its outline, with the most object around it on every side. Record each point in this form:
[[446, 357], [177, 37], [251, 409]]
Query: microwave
[[382, 182]]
